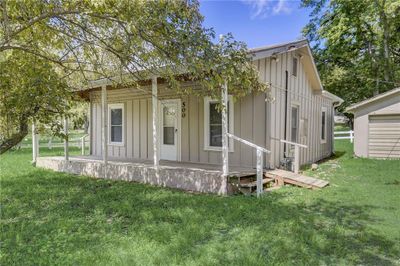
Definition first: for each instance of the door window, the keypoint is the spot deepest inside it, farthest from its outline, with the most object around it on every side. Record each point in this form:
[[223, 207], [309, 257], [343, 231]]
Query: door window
[[169, 117]]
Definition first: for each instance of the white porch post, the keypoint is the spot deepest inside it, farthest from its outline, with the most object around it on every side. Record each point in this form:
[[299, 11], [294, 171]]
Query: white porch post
[[225, 139], [35, 143], [155, 120], [104, 118], [66, 149]]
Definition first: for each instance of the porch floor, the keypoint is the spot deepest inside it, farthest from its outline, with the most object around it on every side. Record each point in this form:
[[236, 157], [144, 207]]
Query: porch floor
[[233, 170]]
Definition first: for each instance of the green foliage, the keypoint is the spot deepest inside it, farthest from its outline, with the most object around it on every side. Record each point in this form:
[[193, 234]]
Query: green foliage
[[69, 219], [124, 42], [356, 44], [30, 90]]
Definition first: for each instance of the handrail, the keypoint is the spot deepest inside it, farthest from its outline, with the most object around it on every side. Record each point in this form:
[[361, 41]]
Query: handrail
[[248, 143], [294, 143], [260, 160], [296, 153]]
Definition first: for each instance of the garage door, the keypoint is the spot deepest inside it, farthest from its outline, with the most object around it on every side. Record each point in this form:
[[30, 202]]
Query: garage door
[[384, 136]]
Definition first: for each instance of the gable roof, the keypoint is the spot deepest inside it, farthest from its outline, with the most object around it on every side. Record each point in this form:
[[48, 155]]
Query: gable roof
[[303, 48], [270, 50], [355, 106]]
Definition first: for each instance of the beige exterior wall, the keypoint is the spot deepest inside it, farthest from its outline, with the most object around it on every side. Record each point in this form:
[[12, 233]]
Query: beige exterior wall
[[255, 120], [384, 106], [310, 103], [249, 121]]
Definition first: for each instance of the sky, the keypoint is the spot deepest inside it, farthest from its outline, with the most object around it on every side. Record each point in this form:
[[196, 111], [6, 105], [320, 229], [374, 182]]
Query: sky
[[256, 22]]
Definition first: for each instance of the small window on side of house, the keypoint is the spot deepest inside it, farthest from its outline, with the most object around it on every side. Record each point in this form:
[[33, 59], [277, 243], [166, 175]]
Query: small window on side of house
[[295, 124], [294, 66], [323, 125]]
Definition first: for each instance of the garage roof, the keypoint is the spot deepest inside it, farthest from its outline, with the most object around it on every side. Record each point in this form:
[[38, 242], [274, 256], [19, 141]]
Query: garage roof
[[355, 106]]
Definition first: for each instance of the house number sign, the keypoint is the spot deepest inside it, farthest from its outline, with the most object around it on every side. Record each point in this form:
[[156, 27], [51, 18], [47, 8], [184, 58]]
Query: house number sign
[[183, 110]]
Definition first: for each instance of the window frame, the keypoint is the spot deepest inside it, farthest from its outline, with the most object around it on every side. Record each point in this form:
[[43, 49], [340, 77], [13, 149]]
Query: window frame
[[297, 106], [207, 102], [112, 106], [324, 110], [293, 65]]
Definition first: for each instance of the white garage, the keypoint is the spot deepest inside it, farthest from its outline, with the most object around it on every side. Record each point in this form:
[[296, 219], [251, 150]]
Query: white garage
[[377, 126]]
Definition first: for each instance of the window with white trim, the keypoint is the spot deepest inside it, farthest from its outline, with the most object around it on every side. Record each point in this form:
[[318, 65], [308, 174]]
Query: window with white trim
[[116, 124], [323, 125], [294, 128], [213, 124]]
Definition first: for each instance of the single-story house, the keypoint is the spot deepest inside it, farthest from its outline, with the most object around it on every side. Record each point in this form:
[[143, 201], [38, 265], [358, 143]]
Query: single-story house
[[377, 126], [189, 130]]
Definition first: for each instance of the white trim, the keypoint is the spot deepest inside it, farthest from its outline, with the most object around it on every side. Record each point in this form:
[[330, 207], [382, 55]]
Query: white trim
[[323, 109], [179, 127], [296, 105], [116, 106], [231, 118]]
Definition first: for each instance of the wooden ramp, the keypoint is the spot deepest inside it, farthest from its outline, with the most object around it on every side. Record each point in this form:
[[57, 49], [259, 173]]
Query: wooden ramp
[[283, 176]]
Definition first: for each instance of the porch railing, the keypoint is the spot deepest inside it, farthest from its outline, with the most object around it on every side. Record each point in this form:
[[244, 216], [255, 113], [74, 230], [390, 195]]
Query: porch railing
[[260, 151], [297, 147]]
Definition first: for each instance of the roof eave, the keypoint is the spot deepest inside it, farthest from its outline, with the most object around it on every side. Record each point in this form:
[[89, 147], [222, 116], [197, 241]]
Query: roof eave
[[358, 105]]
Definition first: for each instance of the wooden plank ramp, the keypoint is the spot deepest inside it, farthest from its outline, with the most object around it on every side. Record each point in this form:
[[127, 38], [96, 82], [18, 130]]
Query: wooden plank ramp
[[296, 179]]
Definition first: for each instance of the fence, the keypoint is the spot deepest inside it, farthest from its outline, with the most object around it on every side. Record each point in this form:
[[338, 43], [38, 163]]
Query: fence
[[76, 142], [344, 135]]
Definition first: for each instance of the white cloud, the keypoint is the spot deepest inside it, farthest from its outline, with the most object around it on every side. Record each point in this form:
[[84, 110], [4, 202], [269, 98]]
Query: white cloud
[[265, 8]]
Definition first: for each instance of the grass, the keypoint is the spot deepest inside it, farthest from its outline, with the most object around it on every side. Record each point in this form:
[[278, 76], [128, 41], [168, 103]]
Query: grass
[[54, 218], [341, 127]]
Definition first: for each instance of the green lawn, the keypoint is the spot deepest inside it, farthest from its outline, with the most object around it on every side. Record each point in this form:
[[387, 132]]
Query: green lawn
[[54, 218]]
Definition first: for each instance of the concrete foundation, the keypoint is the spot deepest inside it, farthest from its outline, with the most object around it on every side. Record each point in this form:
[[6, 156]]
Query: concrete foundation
[[182, 177]]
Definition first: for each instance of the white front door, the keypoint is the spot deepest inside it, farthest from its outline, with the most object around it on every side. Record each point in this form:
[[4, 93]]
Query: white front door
[[170, 120]]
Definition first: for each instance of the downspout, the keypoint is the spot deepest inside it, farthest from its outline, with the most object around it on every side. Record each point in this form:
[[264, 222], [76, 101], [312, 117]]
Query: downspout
[[286, 105]]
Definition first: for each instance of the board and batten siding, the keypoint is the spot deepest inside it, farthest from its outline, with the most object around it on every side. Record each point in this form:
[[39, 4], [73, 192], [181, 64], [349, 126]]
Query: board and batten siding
[[310, 103], [255, 119], [249, 122]]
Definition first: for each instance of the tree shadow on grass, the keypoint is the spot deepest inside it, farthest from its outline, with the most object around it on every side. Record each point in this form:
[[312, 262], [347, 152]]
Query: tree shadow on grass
[[69, 220]]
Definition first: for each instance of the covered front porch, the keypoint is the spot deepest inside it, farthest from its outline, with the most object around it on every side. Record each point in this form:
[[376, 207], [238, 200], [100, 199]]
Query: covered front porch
[[211, 177], [205, 178]]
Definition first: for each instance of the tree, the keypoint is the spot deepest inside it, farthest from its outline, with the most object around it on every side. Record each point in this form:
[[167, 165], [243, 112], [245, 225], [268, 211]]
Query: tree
[[356, 46], [124, 41], [29, 89]]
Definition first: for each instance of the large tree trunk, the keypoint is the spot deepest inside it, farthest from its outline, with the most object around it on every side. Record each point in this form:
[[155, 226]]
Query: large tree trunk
[[15, 138]]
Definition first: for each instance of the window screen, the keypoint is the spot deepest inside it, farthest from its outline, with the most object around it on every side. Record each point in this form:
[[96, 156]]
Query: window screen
[[323, 125], [116, 124], [215, 126]]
